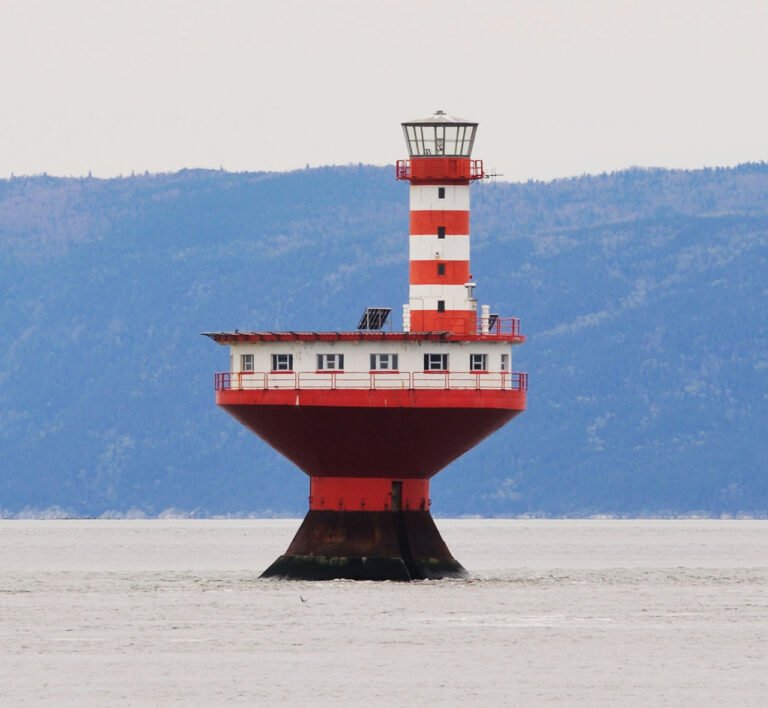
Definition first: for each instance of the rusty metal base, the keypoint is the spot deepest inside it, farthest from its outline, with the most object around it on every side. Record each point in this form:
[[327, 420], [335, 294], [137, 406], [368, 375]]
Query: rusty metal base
[[367, 545]]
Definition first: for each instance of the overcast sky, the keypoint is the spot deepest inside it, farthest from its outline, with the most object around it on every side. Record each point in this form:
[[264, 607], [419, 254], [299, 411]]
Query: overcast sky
[[559, 88]]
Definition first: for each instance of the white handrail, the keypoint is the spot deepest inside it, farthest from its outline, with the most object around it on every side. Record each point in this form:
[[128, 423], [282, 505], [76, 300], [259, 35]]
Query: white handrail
[[372, 380]]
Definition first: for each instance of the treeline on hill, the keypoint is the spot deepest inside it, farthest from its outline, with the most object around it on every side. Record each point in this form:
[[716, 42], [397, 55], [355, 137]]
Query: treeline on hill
[[642, 294]]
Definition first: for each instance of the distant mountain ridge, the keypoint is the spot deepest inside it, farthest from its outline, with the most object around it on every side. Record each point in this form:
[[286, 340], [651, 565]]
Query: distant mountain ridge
[[643, 295]]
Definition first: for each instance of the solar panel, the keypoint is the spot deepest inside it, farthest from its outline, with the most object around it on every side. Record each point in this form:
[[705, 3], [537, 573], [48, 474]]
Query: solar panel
[[492, 320], [374, 318]]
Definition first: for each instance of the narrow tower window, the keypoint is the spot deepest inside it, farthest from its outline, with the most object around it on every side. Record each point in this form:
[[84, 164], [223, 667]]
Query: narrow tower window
[[397, 496], [441, 232], [246, 362], [441, 305], [441, 192], [441, 268], [505, 362]]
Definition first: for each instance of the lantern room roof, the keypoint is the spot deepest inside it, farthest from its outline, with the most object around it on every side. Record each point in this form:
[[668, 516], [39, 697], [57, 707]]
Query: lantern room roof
[[439, 118]]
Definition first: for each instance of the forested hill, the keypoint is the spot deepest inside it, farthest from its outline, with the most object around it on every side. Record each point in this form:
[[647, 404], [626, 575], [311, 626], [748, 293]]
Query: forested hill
[[643, 294]]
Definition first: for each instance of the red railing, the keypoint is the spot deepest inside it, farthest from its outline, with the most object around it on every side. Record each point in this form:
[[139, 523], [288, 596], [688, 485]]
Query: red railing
[[372, 380], [499, 326], [469, 324]]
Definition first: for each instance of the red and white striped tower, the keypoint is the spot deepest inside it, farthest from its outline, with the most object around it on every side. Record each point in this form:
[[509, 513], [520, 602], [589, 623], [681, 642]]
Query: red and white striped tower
[[440, 170]]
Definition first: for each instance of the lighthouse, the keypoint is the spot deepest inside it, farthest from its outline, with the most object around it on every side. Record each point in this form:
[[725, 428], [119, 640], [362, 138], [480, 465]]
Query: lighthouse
[[372, 414]]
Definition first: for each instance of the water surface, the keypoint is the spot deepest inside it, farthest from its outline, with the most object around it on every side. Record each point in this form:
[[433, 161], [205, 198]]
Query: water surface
[[558, 613]]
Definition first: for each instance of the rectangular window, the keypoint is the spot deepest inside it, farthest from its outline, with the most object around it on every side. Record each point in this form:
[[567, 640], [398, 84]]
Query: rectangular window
[[441, 192], [505, 362], [282, 362], [441, 268], [334, 362], [384, 362], [478, 362], [435, 362], [441, 305], [246, 362], [441, 232]]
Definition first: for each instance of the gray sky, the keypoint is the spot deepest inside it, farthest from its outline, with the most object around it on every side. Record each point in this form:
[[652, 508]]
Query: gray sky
[[559, 88]]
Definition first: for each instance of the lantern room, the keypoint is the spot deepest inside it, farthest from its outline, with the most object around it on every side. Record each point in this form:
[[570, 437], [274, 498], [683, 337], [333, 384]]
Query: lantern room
[[440, 135]]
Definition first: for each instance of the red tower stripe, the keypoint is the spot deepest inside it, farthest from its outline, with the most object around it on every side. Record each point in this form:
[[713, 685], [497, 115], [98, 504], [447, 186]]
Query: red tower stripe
[[456, 321], [428, 272], [456, 223]]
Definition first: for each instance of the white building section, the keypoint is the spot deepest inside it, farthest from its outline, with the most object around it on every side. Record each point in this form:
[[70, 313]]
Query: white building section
[[377, 364], [427, 198], [429, 248], [426, 297]]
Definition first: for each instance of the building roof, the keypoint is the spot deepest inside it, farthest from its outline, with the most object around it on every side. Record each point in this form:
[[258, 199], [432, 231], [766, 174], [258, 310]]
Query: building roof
[[439, 117], [359, 336]]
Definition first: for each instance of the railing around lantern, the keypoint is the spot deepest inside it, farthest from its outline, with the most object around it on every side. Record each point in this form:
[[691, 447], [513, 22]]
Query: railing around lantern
[[439, 167], [372, 380]]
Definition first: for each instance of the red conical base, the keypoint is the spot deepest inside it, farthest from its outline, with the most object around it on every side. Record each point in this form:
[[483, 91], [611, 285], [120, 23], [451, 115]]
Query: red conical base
[[398, 434]]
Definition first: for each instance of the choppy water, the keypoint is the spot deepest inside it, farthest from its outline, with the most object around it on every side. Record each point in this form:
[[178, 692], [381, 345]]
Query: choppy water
[[589, 613]]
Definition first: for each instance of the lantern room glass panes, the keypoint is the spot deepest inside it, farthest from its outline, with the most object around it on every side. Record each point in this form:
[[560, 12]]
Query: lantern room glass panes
[[439, 139]]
